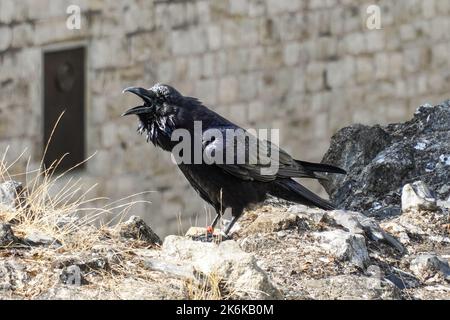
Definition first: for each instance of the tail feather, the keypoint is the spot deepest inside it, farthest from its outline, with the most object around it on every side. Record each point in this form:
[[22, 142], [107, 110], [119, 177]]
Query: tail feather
[[290, 190], [321, 167]]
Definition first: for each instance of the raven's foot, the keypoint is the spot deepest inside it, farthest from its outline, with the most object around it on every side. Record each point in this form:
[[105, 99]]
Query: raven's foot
[[208, 237]]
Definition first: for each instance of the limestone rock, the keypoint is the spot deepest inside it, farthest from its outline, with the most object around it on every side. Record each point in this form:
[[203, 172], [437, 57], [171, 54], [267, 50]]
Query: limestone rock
[[350, 287], [240, 271], [273, 222], [417, 224], [72, 275], [85, 263], [12, 275], [7, 236], [9, 193], [345, 246], [67, 221], [353, 222], [427, 265], [348, 220], [417, 196], [136, 228], [356, 222], [36, 238], [127, 289]]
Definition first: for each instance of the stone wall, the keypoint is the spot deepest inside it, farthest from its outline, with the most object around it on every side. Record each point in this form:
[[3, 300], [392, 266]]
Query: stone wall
[[307, 67]]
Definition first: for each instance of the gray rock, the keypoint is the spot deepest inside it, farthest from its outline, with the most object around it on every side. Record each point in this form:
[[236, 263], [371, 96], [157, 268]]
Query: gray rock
[[73, 276], [7, 236], [281, 234], [36, 238], [85, 263], [345, 246], [226, 261], [136, 228], [381, 160], [376, 233], [67, 221], [126, 289], [351, 287], [427, 265], [9, 193], [402, 280], [12, 275], [184, 272], [353, 222], [348, 220], [417, 196], [303, 212], [272, 222], [420, 223], [357, 223], [108, 253]]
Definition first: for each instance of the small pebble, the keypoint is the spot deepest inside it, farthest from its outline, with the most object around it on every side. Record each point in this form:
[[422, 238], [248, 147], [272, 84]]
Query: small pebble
[[281, 234]]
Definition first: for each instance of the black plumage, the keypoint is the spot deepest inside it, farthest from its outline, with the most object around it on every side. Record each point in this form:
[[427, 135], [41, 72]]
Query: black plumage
[[235, 185]]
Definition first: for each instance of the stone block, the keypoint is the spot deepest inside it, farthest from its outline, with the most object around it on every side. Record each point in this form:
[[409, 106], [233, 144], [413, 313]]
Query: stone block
[[228, 90]]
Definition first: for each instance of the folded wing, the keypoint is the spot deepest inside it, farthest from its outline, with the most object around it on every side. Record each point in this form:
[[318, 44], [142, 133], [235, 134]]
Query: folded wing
[[244, 156]]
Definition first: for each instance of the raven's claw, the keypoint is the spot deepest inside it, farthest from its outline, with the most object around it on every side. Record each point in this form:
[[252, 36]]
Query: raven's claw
[[209, 237]]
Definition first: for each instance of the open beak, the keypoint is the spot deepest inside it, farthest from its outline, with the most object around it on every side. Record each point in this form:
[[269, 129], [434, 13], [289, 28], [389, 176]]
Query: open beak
[[144, 94], [137, 110]]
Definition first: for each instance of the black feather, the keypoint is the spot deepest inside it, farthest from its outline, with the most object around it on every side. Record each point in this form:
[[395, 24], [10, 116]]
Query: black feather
[[235, 185], [321, 167]]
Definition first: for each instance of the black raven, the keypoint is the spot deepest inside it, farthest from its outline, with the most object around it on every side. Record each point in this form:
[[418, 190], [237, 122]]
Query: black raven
[[228, 184]]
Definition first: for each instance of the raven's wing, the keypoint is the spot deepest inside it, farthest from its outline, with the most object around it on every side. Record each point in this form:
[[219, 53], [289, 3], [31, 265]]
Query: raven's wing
[[248, 158]]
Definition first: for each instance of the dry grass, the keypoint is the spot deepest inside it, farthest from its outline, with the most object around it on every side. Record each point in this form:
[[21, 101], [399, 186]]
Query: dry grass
[[46, 201], [46, 204], [212, 287], [49, 205]]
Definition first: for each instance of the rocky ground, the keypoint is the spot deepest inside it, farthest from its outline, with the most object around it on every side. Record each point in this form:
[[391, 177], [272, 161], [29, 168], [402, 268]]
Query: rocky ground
[[389, 240]]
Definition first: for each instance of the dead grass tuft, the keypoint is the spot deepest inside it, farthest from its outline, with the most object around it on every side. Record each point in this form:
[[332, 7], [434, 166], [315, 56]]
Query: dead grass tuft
[[60, 207], [211, 287]]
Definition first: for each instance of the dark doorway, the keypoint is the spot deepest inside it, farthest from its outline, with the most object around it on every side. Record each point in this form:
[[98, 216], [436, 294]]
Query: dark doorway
[[64, 86]]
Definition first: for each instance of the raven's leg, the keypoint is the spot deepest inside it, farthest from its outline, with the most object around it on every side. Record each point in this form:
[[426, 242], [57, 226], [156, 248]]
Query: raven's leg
[[219, 214], [210, 228], [209, 236], [231, 224]]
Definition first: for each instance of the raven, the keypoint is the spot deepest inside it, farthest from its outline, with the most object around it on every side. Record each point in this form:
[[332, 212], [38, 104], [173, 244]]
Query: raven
[[233, 184]]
